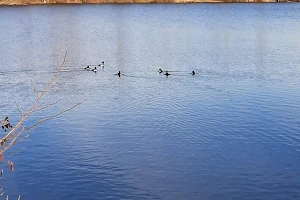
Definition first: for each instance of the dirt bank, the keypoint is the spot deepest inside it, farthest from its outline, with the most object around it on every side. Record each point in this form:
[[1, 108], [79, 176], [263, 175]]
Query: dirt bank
[[30, 2]]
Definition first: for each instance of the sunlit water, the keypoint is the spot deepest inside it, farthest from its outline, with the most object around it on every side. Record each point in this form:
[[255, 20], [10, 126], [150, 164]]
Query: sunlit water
[[230, 132]]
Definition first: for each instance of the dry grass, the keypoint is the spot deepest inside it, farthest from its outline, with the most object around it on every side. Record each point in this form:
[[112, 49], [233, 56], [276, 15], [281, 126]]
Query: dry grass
[[28, 2]]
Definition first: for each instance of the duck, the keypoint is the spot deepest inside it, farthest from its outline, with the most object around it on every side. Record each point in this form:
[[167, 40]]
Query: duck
[[193, 72], [6, 124], [119, 73], [160, 70], [87, 67], [167, 74], [102, 64], [95, 69]]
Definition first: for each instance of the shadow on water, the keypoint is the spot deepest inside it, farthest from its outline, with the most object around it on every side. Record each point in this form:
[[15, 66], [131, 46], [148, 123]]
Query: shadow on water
[[139, 77], [179, 75], [176, 71]]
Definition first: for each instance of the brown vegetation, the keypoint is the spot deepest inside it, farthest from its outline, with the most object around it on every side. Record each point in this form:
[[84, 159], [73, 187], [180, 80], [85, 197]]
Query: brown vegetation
[[29, 2]]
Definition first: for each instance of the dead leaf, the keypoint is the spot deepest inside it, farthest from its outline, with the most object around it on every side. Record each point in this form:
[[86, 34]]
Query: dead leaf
[[11, 165]]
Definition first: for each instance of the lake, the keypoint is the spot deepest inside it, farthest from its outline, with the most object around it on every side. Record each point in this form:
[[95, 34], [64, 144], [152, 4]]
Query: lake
[[230, 132]]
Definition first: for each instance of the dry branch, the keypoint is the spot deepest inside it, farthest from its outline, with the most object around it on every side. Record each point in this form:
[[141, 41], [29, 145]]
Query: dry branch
[[36, 107], [19, 109], [34, 89], [39, 108], [50, 83]]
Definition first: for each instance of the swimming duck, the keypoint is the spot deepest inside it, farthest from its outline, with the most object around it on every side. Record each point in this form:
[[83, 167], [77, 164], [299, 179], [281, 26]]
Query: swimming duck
[[119, 73], [102, 64], [193, 72], [167, 74], [160, 70], [87, 67], [95, 69], [6, 124]]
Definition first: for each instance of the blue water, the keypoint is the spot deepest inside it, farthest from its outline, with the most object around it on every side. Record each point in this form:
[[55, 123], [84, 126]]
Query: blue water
[[231, 132]]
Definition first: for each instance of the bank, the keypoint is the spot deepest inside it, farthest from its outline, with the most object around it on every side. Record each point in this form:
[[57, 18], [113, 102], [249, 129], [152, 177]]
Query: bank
[[39, 2]]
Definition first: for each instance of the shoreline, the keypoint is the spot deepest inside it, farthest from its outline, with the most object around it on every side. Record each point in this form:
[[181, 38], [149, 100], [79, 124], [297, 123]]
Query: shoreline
[[76, 2]]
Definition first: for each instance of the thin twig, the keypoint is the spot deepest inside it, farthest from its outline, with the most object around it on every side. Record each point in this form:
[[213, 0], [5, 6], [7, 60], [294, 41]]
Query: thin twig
[[54, 116], [54, 91], [19, 109], [63, 111], [15, 152], [28, 129], [34, 90], [12, 141], [44, 120], [45, 107]]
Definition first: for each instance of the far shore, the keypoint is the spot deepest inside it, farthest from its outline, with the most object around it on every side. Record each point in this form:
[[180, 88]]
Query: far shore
[[50, 2]]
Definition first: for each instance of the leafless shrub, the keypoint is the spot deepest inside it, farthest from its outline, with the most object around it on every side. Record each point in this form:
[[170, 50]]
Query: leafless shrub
[[19, 132]]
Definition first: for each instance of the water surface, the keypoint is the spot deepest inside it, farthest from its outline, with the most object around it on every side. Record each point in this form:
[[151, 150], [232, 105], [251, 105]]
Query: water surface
[[230, 132]]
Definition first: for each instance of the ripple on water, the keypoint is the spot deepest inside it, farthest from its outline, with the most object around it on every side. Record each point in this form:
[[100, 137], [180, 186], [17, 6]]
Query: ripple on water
[[229, 132]]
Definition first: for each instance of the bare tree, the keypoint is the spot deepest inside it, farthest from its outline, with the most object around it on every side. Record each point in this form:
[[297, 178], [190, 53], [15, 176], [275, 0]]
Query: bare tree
[[19, 132]]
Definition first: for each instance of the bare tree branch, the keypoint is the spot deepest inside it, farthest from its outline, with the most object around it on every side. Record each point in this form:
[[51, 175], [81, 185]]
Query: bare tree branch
[[44, 120], [50, 83], [34, 90], [45, 107], [15, 152], [13, 136], [12, 141], [19, 109]]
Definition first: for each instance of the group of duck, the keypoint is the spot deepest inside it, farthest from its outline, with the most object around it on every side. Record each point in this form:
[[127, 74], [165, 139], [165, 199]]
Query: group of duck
[[119, 73], [168, 74], [100, 65], [95, 68]]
